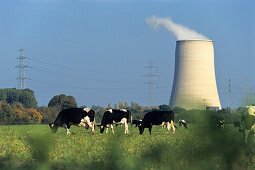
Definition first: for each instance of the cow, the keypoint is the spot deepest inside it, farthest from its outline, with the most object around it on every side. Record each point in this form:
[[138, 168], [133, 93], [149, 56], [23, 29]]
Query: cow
[[183, 123], [115, 116], [157, 118], [74, 116], [251, 110], [247, 125], [221, 123], [136, 122]]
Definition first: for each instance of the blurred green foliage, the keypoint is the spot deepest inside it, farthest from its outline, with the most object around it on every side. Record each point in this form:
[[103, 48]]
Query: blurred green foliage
[[201, 146]]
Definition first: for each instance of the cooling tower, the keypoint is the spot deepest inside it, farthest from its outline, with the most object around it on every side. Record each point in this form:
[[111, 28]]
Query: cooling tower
[[194, 85]]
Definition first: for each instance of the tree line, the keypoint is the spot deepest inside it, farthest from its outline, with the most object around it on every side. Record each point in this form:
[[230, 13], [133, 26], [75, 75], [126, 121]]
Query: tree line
[[20, 107]]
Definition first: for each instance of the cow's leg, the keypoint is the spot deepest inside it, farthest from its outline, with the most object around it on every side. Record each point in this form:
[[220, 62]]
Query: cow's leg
[[67, 127], [172, 125], [162, 124], [112, 128], [168, 127], [126, 128], [93, 124], [107, 128], [93, 129], [150, 130]]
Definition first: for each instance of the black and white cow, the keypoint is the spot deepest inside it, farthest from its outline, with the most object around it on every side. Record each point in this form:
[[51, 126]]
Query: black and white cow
[[157, 118], [136, 122], [247, 124], [115, 116], [74, 116], [221, 123], [183, 123]]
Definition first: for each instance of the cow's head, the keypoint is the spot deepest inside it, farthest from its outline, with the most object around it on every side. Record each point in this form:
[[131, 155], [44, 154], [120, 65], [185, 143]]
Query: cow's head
[[139, 123], [83, 124], [101, 127], [86, 120], [53, 127], [141, 129]]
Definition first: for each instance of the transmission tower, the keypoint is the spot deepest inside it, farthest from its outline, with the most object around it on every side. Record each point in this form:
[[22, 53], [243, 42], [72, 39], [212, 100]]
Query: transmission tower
[[21, 67], [151, 82]]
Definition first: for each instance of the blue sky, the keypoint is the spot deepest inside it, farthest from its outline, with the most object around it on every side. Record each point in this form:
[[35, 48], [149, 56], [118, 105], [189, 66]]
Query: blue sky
[[97, 51]]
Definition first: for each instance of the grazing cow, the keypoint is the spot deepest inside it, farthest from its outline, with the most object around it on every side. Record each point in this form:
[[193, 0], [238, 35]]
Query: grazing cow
[[247, 126], [157, 118], [251, 110], [136, 122], [114, 116], [221, 123], [183, 123], [74, 116]]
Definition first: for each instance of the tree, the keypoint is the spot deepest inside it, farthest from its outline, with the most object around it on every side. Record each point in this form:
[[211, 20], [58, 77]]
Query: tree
[[27, 98], [94, 107], [115, 106], [20, 114], [126, 105], [120, 105], [62, 102], [18, 105], [24, 96], [7, 115], [83, 106], [49, 114], [164, 107], [99, 112], [34, 114], [109, 106], [134, 105]]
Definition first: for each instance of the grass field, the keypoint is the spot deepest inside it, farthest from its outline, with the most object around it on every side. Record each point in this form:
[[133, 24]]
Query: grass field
[[199, 147]]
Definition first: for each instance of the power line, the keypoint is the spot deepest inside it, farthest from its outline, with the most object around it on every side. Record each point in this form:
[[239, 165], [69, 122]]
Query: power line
[[88, 78], [6, 81], [83, 69], [93, 71]]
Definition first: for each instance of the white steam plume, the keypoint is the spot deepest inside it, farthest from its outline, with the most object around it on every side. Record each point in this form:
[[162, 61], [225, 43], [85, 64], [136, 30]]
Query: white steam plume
[[180, 31]]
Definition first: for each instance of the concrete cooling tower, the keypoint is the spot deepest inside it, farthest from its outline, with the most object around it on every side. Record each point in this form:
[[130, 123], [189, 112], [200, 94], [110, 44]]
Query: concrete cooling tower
[[194, 85]]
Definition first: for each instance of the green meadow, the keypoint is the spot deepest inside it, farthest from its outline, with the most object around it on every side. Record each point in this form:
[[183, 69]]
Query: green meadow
[[198, 147]]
